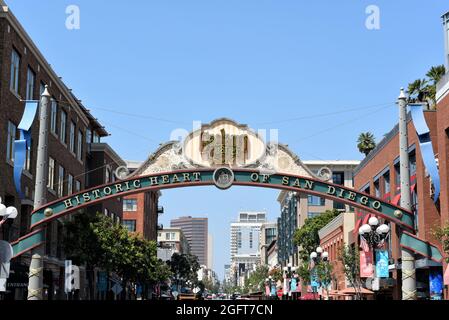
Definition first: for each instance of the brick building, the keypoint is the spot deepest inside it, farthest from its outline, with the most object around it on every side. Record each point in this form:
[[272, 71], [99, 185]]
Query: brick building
[[74, 148], [333, 237], [141, 210], [378, 174]]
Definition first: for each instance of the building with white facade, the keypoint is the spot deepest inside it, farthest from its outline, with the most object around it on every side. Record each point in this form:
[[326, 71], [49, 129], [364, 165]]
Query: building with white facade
[[245, 244], [171, 240]]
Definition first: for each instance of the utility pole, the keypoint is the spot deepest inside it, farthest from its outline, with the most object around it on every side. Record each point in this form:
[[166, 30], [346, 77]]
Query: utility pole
[[36, 274], [407, 256]]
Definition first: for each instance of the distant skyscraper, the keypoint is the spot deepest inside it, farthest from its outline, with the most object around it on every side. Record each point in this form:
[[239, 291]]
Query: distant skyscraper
[[195, 230], [210, 251], [245, 240]]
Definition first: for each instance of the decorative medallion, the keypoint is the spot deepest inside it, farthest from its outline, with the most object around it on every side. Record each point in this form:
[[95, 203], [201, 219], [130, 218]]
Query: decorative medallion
[[223, 178]]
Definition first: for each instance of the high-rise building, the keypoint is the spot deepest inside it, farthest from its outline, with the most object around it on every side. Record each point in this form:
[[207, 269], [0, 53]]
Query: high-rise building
[[245, 243], [195, 230], [210, 251]]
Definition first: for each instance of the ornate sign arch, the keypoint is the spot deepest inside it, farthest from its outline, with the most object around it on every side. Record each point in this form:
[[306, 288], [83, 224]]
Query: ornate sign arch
[[223, 154]]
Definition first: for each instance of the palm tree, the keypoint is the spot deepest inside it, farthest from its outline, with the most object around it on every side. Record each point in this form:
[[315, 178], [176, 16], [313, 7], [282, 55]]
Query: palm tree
[[417, 90], [421, 90], [366, 143], [436, 73]]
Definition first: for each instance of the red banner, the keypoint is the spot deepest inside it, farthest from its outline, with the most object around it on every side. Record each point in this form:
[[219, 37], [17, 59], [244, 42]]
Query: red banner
[[366, 264]]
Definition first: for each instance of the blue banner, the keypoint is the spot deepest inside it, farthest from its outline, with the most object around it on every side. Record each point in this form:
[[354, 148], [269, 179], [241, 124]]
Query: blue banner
[[382, 264], [314, 279], [425, 144], [273, 290], [435, 284], [23, 143], [293, 285]]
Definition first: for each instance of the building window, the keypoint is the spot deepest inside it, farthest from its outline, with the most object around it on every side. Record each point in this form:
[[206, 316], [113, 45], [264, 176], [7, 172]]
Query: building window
[[77, 186], [72, 137], [70, 185], [51, 173], [88, 136], [96, 137], [338, 178], [397, 174], [79, 147], [129, 205], [131, 225], [10, 141], [315, 201], [63, 126], [311, 215], [377, 188], [387, 182], [15, 67], [31, 77], [61, 181], [54, 112], [412, 158]]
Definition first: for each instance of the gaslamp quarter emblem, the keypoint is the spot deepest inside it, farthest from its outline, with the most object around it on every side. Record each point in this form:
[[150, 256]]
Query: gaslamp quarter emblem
[[223, 178]]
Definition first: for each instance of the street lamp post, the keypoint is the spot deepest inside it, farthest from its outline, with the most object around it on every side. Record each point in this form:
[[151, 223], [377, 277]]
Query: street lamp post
[[373, 233], [407, 257], [318, 256], [289, 271]]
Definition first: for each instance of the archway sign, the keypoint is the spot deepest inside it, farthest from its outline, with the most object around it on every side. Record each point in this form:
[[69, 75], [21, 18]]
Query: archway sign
[[225, 153]]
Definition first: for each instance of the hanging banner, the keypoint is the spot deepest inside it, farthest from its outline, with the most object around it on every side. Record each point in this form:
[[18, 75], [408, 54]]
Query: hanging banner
[[366, 264], [382, 264], [23, 143], [435, 284], [425, 144], [293, 285]]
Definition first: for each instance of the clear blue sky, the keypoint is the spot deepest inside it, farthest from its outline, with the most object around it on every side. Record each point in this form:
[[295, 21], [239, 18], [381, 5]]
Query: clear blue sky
[[255, 61]]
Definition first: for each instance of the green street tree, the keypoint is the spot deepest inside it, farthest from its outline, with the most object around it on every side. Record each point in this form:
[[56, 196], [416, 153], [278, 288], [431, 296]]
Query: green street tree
[[99, 242], [366, 143], [82, 246], [256, 280], [307, 238], [349, 257], [185, 266]]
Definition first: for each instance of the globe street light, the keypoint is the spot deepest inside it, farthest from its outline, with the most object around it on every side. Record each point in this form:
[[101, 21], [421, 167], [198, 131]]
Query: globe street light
[[7, 212], [318, 256], [373, 233]]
